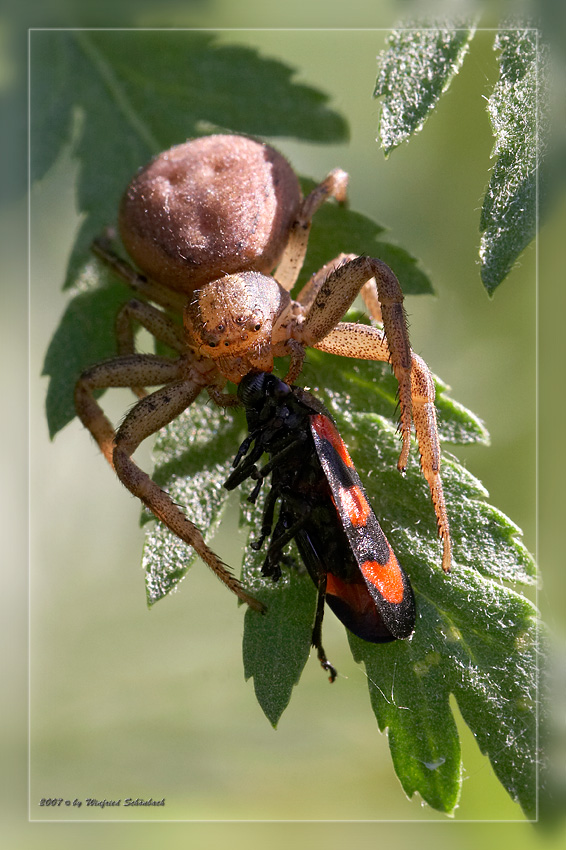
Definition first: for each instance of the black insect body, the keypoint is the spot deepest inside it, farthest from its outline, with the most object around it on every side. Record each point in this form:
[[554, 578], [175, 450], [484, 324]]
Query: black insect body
[[324, 508]]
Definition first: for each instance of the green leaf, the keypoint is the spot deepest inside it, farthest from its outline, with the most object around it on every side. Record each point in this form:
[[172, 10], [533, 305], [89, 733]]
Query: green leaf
[[475, 638], [509, 213], [414, 71]]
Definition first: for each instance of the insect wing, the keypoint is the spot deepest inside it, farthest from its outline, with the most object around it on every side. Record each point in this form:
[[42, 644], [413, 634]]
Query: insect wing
[[384, 577], [350, 601]]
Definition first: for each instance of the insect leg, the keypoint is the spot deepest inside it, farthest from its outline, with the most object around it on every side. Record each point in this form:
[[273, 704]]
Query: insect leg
[[282, 535], [316, 639], [267, 520]]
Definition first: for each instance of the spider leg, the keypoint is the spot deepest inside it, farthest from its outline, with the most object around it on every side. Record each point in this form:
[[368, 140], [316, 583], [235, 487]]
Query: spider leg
[[333, 186], [384, 298], [142, 285], [153, 320], [369, 343], [310, 290], [350, 339], [335, 295], [145, 418], [126, 371], [223, 399], [424, 416]]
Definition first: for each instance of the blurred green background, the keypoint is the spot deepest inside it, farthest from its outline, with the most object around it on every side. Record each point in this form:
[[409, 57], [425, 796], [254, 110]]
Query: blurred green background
[[126, 702]]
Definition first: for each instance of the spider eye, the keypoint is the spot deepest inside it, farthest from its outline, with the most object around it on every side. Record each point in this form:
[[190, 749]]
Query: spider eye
[[212, 345], [257, 326], [220, 328]]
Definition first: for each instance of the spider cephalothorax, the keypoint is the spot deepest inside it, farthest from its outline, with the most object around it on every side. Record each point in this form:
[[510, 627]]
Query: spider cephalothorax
[[219, 230]]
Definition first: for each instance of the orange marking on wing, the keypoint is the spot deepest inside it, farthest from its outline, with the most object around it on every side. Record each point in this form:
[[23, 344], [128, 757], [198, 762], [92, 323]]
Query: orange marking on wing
[[326, 429], [354, 594], [387, 578], [333, 585], [356, 505]]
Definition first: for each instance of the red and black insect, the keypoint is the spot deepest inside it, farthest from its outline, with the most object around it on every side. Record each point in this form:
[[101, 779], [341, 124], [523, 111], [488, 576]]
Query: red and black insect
[[324, 508]]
